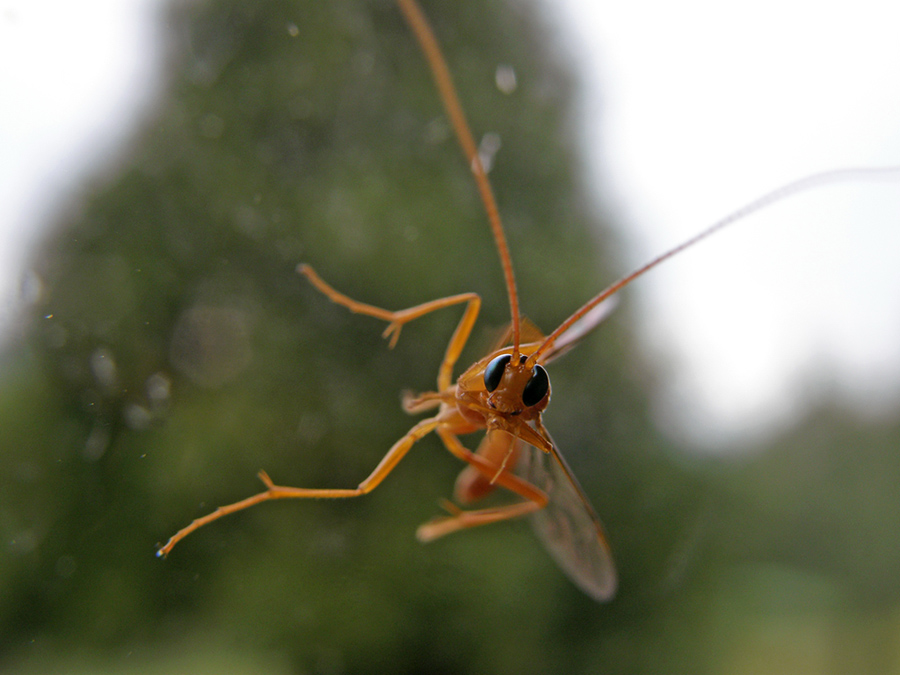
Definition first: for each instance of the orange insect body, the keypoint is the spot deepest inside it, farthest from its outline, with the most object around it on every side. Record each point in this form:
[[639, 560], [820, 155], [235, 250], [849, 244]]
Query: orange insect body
[[503, 393]]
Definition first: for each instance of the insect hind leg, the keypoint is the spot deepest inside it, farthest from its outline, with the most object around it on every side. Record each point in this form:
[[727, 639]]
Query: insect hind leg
[[534, 499], [379, 473]]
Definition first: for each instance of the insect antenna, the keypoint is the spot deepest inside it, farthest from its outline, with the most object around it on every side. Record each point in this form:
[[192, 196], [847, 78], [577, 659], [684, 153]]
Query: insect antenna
[[441, 73], [807, 183]]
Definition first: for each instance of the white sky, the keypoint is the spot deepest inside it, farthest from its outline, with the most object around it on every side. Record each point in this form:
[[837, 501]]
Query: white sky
[[697, 107], [692, 109], [73, 75]]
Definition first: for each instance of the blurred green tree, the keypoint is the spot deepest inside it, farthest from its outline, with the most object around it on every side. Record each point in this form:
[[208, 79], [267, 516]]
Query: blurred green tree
[[173, 351]]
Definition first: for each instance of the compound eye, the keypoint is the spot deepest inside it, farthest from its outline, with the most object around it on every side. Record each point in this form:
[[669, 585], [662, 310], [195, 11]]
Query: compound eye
[[494, 372], [537, 387]]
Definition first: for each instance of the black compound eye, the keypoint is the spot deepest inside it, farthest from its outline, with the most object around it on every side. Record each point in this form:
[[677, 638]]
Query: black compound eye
[[494, 372], [537, 387]]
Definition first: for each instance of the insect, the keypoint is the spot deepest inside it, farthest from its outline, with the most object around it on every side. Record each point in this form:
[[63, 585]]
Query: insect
[[503, 394]]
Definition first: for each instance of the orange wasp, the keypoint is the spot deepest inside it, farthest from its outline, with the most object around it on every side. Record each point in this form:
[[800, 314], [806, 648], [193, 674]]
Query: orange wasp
[[504, 393]]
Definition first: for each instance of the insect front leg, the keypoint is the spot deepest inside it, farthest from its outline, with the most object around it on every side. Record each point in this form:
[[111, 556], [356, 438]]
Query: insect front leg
[[534, 499], [385, 466], [396, 320]]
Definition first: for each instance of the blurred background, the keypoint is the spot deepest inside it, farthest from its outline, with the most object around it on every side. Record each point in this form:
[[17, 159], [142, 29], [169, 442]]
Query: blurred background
[[162, 349]]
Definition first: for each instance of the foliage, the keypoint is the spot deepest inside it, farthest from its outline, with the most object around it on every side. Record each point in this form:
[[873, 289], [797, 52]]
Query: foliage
[[174, 351]]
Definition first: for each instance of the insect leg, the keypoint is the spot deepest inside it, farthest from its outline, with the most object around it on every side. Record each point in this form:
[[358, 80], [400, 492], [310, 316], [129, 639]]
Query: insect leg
[[534, 499], [272, 491], [396, 320]]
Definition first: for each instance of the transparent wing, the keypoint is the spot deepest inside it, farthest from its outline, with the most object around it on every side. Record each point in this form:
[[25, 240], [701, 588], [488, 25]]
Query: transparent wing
[[568, 526], [580, 329]]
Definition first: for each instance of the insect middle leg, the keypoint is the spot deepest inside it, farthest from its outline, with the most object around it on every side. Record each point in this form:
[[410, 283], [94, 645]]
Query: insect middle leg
[[534, 499], [272, 491], [396, 320]]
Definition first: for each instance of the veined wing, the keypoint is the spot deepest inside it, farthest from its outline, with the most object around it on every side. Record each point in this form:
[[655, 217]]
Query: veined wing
[[532, 336], [568, 525], [580, 329]]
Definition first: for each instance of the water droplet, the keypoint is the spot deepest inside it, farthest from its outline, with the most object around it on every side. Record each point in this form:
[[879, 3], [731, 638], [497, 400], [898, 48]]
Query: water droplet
[[158, 387], [487, 150], [103, 367], [211, 345], [137, 417], [96, 444], [505, 77]]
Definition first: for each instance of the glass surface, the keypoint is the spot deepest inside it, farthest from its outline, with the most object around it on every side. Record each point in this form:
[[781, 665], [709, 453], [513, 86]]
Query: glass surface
[[170, 351]]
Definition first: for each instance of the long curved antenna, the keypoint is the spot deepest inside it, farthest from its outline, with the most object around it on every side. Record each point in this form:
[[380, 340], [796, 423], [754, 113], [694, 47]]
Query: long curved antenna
[[807, 183], [429, 44]]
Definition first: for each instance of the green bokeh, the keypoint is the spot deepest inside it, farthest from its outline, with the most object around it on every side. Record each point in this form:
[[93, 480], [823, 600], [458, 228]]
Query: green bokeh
[[172, 352]]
